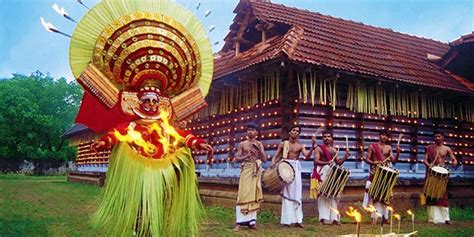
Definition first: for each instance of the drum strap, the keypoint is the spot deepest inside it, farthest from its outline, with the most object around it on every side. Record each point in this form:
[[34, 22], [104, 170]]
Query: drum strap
[[327, 156], [431, 153], [286, 149], [326, 152], [378, 152]]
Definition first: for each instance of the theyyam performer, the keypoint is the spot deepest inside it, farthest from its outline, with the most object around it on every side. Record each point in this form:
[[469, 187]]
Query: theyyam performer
[[145, 67]]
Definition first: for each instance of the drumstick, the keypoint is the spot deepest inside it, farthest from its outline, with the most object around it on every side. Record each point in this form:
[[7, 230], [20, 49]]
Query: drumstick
[[386, 159], [399, 138], [334, 157], [347, 142]]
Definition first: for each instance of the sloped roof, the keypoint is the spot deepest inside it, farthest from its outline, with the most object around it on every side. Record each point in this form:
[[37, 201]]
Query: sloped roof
[[341, 44], [75, 130]]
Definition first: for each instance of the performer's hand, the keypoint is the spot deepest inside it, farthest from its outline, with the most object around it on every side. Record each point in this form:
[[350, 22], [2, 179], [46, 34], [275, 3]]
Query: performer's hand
[[313, 140], [454, 163], [398, 149], [205, 146], [97, 146], [347, 154]]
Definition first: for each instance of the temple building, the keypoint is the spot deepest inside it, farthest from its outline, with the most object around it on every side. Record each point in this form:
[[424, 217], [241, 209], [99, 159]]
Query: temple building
[[280, 66]]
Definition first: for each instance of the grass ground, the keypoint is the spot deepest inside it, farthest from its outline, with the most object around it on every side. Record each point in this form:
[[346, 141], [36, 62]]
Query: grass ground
[[50, 206]]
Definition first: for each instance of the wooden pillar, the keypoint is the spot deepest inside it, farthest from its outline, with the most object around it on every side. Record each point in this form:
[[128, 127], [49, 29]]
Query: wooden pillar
[[360, 140], [414, 147], [288, 95]]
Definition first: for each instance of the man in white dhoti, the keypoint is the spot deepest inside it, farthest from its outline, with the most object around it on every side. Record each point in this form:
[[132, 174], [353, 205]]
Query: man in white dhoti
[[325, 156], [379, 153], [251, 154], [438, 210], [292, 208]]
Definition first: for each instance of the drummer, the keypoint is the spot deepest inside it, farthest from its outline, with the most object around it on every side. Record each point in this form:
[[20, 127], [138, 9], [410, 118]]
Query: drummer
[[379, 153], [438, 210], [325, 156], [292, 208], [251, 153]]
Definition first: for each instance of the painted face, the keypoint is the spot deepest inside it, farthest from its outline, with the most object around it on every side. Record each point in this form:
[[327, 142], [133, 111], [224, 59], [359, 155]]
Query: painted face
[[327, 138], [252, 132], [438, 138], [149, 105], [295, 132], [383, 138]]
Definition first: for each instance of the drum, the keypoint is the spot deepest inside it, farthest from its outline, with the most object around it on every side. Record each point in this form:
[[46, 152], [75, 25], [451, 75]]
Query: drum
[[384, 180], [335, 182], [274, 179], [436, 182]]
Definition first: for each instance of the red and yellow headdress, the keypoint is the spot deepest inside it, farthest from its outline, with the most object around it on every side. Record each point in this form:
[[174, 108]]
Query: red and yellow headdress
[[119, 45]]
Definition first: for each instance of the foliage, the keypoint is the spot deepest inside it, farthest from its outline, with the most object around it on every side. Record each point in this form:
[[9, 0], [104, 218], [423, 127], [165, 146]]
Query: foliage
[[34, 111]]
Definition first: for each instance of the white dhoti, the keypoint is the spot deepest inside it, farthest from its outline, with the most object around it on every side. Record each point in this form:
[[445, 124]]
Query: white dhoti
[[325, 204], [245, 219], [438, 214], [291, 205], [380, 207]]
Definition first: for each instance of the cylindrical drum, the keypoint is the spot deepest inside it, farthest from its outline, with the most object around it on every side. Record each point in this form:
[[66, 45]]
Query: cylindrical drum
[[384, 180], [276, 177], [335, 182], [436, 182]]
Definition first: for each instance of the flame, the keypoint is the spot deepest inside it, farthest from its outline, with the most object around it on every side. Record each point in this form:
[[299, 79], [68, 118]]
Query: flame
[[370, 209], [396, 216], [59, 10], [168, 137], [390, 208], [135, 137], [354, 213], [335, 210], [48, 26], [409, 212]]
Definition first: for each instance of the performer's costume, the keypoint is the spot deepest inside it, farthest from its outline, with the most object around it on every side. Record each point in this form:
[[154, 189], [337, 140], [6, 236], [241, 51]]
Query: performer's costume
[[324, 203], [379, 206], [250, 193], [438, 210], [291, 203], [126, 53]]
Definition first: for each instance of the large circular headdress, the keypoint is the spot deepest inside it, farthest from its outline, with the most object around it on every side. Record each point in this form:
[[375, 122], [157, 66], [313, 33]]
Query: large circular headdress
[[135, 41]]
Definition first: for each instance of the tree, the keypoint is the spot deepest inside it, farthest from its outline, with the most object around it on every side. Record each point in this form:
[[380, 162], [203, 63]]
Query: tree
[[34, 111]]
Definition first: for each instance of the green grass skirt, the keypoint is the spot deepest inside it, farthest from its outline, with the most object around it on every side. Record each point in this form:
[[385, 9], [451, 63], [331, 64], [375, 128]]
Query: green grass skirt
[[157, 197]]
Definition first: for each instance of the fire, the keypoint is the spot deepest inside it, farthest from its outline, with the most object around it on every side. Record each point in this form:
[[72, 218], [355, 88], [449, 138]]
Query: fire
[[168, 137], [59, 10], [390, 208], [354, 213], [135, 137], [370, 209], [409, 212], [48, 26], [396, 216], [335, 211]]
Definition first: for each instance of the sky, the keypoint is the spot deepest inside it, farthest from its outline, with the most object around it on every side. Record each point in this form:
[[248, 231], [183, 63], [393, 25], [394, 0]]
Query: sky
[[26, 47]]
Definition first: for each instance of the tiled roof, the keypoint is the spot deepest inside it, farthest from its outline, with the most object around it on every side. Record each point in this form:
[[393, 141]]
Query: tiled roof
[[345, 45]]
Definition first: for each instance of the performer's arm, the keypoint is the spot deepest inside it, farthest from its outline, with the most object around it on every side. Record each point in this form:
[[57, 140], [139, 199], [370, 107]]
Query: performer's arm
[[370, 153], [261, 151], [108, 139], [277, 155], [194, 142], [307, 154], [452, 158], [395, 159], [344, 158], [426, 158], [317, 158]]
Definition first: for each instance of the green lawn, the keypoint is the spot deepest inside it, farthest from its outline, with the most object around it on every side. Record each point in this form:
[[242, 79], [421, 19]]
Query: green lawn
[[50, 206]]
